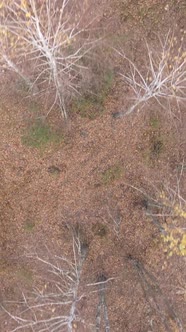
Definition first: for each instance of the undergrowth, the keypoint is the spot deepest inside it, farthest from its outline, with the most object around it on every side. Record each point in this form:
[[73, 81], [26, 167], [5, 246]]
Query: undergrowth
[[91, 104], [111, 174], [39, 134]]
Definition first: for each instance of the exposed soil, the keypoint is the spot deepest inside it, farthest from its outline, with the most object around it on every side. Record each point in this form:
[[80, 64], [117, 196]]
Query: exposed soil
[[86, 181]]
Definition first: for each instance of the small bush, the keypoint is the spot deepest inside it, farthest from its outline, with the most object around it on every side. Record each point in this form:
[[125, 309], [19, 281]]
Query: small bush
[[99, 230], [111, 174], [154, 122], [29, 225], [39, 135], [156, 146], [91, 104]]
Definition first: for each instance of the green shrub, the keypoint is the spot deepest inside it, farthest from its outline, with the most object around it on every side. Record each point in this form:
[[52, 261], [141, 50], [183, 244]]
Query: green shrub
[[39, 135]]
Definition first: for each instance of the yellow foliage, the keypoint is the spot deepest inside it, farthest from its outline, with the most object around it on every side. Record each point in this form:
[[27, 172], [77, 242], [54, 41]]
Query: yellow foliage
[[182, 245], [23, 4], [175, 238], [175, 241], [28, 14]]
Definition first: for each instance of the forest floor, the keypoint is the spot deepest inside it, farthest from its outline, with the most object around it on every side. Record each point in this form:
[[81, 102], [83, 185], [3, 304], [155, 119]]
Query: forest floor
[[95, 176]]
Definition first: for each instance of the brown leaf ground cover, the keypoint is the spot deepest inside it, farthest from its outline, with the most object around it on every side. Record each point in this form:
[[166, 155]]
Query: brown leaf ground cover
[[92, 175]]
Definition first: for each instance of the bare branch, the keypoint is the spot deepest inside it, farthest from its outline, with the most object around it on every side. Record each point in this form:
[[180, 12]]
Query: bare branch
[[53, 307], [164, 79]]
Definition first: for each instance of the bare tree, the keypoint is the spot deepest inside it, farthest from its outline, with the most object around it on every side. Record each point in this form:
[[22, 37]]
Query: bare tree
[[54, 307], [49, 37], [163, 79]]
